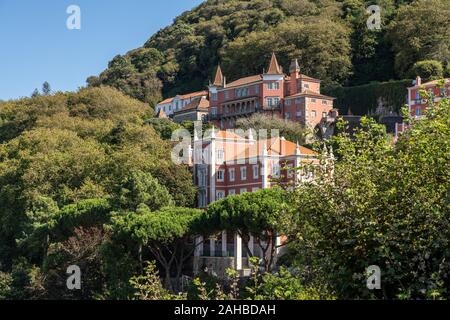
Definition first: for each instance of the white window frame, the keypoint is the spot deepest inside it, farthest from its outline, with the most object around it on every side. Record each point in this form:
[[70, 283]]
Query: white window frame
[[220, 192], [231, 192], [242, 170], [254, 189], [221, 179], [243, 190], [313, 113], [232, 174], [255, 173], [220, 155]]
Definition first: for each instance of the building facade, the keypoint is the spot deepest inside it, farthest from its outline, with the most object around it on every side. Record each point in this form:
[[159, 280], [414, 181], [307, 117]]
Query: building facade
[[226, 164], [196, 110], [417, 104], [171, 105], [295, 97]]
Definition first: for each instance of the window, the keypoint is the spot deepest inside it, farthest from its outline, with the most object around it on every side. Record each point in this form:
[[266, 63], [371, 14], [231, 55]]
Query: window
[[324, 114], [232, 174], [276, 170], [288, 102], [288, 115], [324, 102], [243, 173], [241, 92], [220, 155], [299, 114], [256, 89], [306, 86], [243, 190], [214, 96], [270, 86], [220, 175], [313, 113], [231, 192], [255, 172], [202, 178], [202, 199], [276, 85], [276, 101], [418, 111], [298, 101], [220, 194], [170, 108], [269, 102], [227, 94], [255, 189], [313, 100]]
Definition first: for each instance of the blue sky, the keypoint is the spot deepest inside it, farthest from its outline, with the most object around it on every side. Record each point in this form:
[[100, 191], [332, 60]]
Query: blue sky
[[36, 46]]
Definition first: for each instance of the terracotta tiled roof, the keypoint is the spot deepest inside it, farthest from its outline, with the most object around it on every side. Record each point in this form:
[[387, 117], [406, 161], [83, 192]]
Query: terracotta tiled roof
[[197, 103], [274, 67], [274, 147], [222, 134], [194, 94], [308, 78], [309, 93], [303, 77], [218, 80], [186, 96], [245, 80], [168, 100], [280, 146]]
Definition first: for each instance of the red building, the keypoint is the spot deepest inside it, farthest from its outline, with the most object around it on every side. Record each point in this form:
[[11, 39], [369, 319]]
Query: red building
[[226, 163], [417, 104], [295, 97]]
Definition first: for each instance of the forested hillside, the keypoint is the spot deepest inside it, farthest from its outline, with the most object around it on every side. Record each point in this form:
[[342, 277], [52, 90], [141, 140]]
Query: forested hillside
[[70, 147], [330, 38]]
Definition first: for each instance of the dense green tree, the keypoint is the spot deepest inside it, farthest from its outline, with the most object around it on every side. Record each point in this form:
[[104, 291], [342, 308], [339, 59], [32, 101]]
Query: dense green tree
[[420, 32], [292, 131], [388, 206], [167, 234], [427, 69], [265, 214], [46, 89]]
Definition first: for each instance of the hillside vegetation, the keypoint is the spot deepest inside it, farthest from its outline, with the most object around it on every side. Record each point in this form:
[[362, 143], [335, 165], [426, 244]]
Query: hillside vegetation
[[330, 38]]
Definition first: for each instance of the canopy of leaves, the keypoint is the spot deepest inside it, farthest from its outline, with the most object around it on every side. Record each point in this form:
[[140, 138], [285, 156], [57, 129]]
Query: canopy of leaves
[[330, 38], [93, 144], [387, 206]]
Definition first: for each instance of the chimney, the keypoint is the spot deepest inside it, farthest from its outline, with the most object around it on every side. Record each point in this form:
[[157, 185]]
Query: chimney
[[294, 71], [418, 81]]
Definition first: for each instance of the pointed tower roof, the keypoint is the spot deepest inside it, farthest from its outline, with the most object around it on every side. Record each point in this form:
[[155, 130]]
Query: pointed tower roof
[[274, 67], [218, 79]]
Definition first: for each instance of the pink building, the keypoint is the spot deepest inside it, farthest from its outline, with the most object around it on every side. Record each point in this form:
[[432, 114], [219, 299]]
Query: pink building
[[295, 97], [226, 164], [417, 104]]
